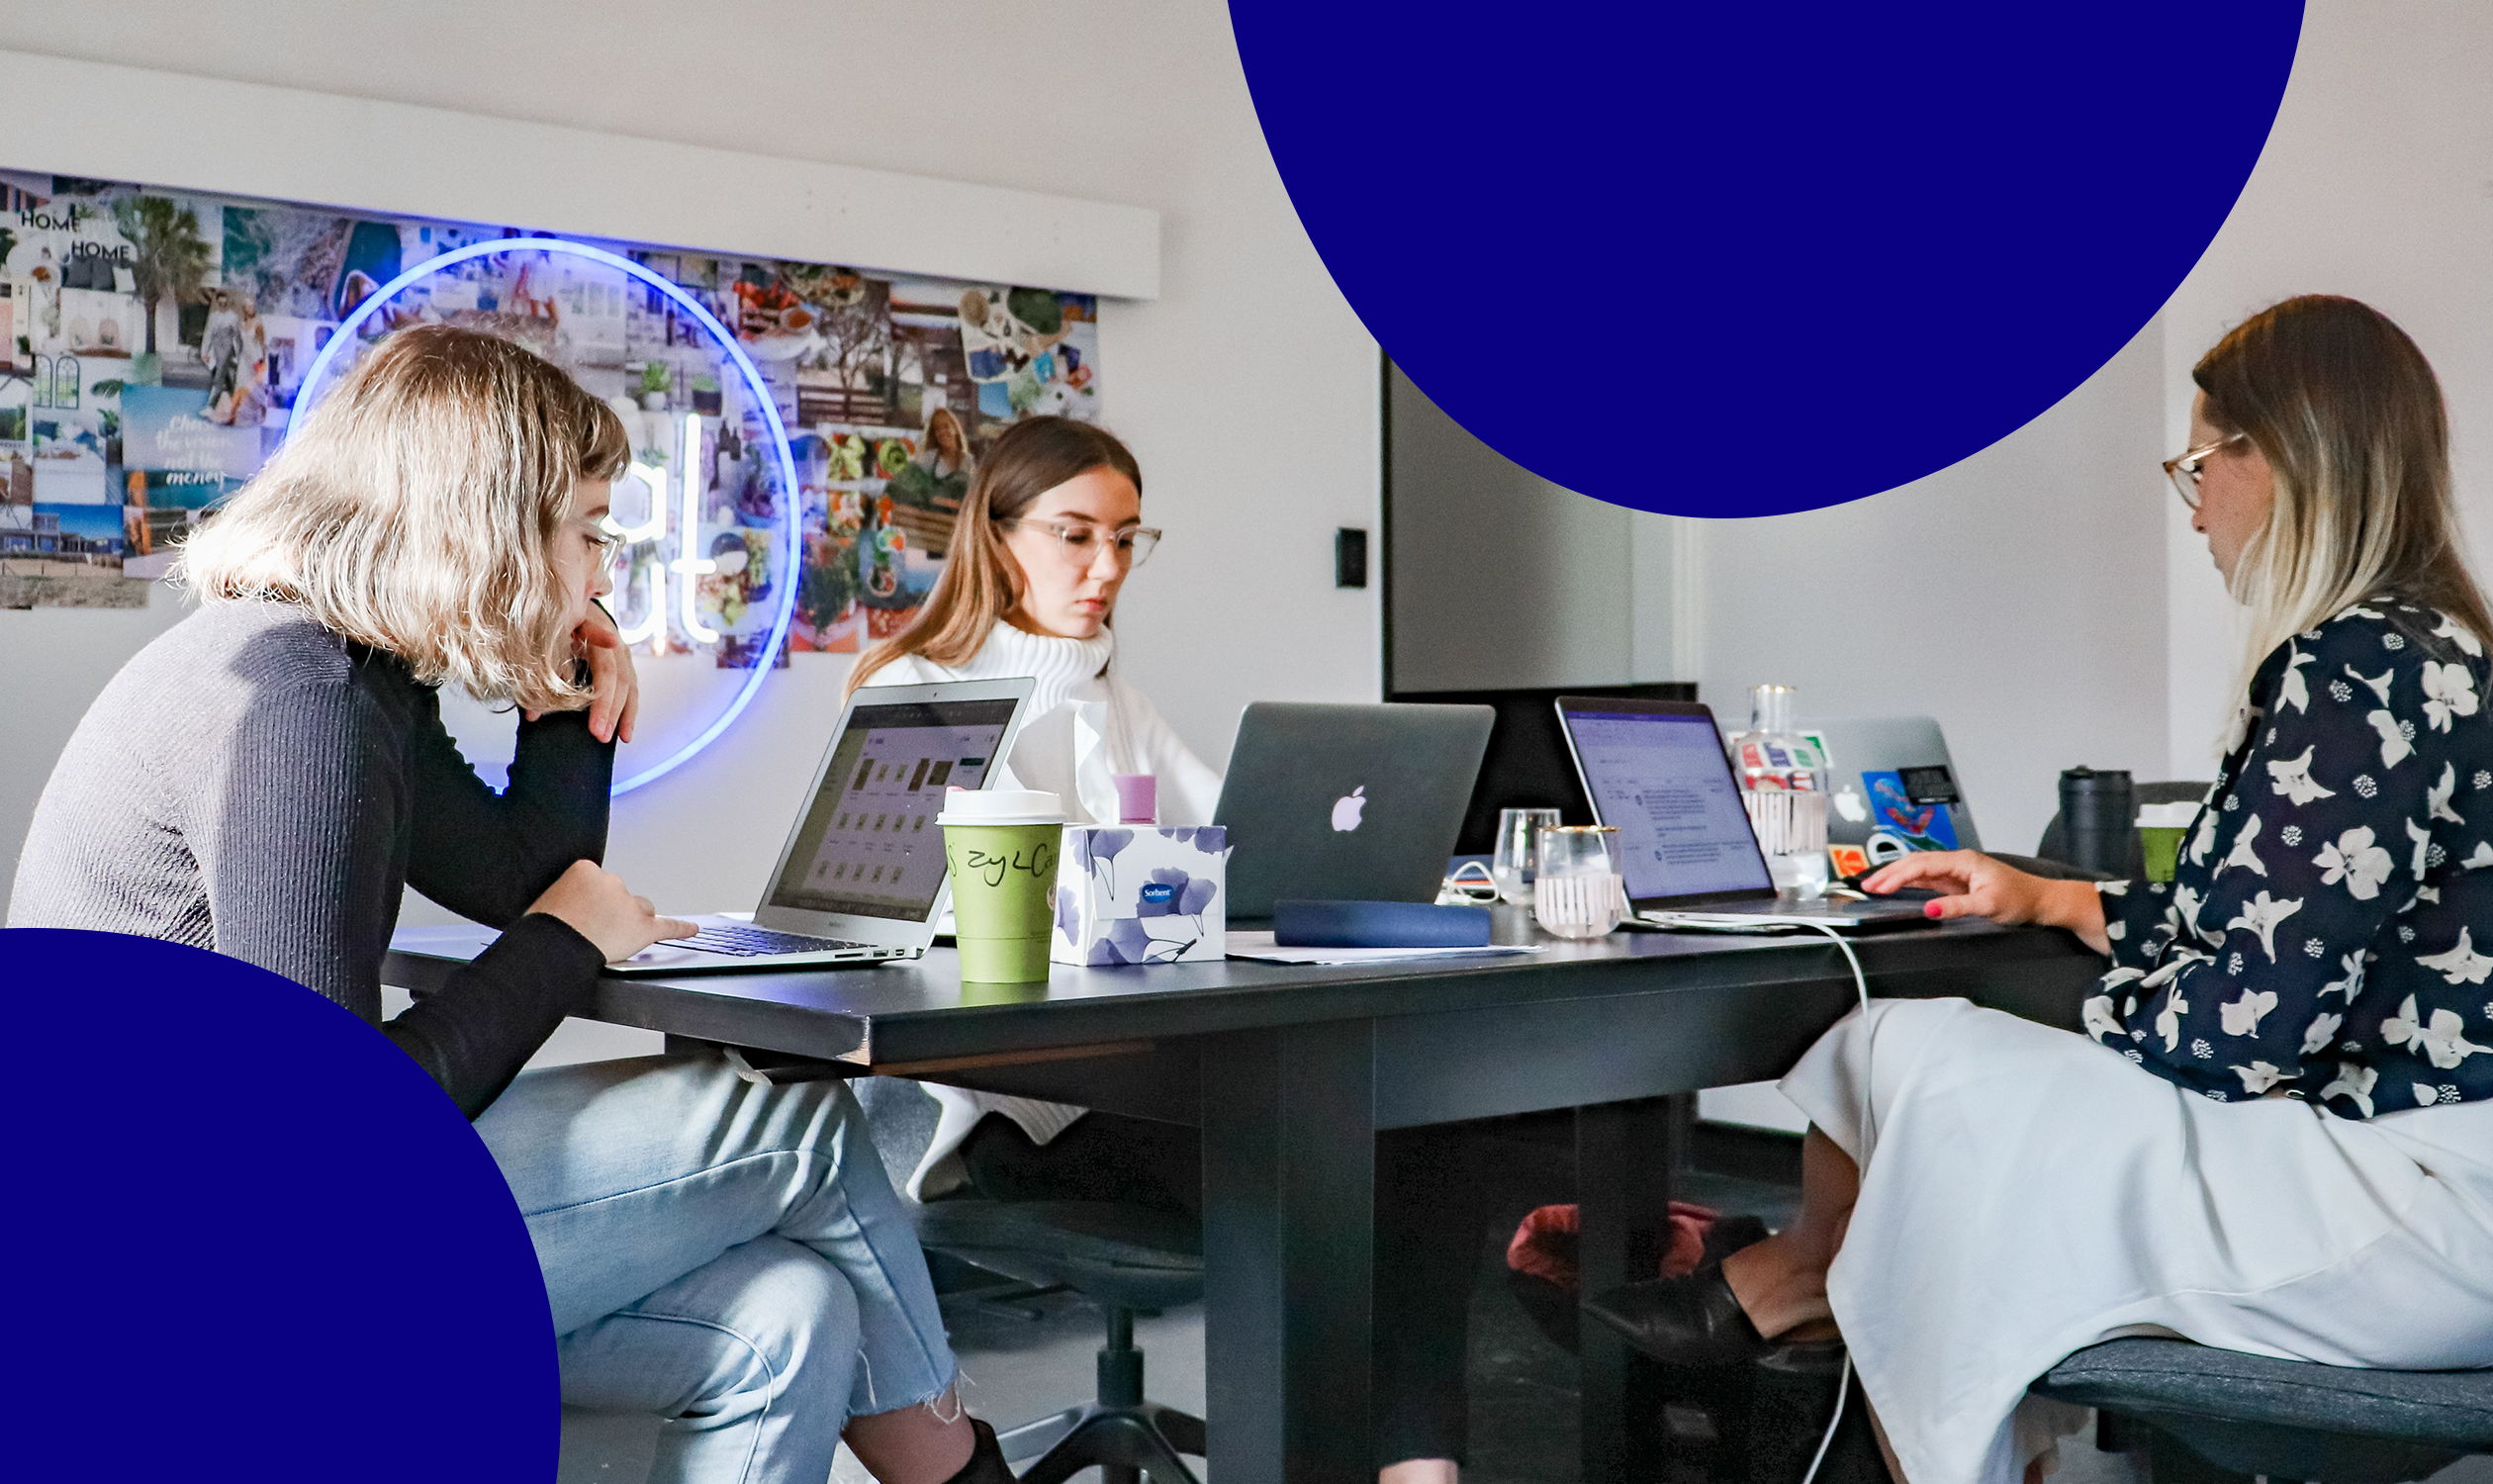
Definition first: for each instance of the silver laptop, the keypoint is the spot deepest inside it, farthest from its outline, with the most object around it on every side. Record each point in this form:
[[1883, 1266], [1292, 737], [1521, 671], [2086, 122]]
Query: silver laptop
[[1891, 776], [1345, 802], [1656, 772], [862, 876]]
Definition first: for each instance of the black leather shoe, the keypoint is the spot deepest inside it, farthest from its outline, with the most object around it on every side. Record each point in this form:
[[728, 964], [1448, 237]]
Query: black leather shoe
[[1728, 1235], [1690, 1321], [986, 1464]]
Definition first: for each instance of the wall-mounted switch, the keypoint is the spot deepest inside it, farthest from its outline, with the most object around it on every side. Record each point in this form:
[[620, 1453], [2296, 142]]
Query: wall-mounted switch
[[1349, 558]]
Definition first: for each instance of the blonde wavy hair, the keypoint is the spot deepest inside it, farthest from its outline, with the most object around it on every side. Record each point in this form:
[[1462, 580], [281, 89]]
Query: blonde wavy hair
[[416, 510], [2349, 417]]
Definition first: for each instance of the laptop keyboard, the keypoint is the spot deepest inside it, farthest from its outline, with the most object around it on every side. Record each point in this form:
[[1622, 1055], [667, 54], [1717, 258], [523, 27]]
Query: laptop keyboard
[[755, 942]]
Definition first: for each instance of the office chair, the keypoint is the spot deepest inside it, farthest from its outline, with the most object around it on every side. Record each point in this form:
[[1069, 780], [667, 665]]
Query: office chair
[[1129, 1260], [2205, 1416]]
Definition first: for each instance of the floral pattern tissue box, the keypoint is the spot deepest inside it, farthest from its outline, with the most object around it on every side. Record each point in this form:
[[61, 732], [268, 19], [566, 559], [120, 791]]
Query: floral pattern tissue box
[[1140, 893]]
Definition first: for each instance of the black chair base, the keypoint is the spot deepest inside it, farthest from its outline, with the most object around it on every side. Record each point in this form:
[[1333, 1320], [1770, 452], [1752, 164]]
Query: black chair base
[[1127, 1259], [1121, 1442]]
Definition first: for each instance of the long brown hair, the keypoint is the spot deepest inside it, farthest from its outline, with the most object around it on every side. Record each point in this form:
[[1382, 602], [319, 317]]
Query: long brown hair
[[2349, 418], [417, 508], [979, 582]]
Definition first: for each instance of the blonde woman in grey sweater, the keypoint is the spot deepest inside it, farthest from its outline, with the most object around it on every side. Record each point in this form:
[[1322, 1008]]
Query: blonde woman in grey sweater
[[264, 780]]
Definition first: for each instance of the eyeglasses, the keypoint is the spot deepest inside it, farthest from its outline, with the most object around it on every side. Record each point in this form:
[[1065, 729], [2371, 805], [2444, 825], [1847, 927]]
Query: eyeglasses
[[1080, 541], [603, 543], [2184, 470]]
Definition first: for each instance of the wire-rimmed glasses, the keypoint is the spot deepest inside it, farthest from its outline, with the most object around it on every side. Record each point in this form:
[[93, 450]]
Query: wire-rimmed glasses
[[2185, 470], [1080, 541], [603, 542]]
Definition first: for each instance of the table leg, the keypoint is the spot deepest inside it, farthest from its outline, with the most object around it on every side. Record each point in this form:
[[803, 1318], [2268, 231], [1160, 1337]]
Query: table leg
[[1289, 1155], [1624, 1156]]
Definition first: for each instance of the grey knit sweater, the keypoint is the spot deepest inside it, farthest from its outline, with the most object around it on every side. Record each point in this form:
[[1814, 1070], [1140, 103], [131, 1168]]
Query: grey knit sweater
[[253, 783]]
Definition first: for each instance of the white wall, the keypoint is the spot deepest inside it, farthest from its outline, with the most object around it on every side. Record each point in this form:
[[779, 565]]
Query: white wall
[[2377, 182], [2017, 596], [1248, 387]]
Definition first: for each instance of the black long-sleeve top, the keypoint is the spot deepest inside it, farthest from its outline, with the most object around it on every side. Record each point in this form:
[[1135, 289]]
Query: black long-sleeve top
[[2318, 940], [252, 783]]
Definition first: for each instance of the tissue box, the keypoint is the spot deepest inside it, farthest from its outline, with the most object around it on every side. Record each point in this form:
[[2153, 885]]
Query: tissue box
[[1140, 893]]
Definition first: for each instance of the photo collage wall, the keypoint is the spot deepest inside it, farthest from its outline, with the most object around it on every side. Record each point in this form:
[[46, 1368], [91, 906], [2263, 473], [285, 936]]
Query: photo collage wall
[[153, 346]]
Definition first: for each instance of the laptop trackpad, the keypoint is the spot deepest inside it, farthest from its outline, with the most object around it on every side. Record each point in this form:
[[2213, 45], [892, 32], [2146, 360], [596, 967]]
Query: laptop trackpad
[[668, 955]]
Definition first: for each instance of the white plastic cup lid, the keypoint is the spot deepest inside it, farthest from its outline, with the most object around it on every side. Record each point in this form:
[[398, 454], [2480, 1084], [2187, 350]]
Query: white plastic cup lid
[[2166, 816], [1001, 806]]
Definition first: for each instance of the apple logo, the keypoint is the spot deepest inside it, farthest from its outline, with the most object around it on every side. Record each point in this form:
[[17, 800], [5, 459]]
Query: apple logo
[[1849, 805], [1346, 810]]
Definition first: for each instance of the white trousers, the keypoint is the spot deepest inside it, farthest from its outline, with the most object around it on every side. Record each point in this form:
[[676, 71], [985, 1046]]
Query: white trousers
[[2026, 1192]]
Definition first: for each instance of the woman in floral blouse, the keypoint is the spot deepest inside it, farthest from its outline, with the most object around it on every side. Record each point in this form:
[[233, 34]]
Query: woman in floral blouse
[[2276, 1135]]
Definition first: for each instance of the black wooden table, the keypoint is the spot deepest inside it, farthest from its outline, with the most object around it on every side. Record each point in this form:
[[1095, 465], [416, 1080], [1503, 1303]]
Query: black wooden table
[[1291, 1070]]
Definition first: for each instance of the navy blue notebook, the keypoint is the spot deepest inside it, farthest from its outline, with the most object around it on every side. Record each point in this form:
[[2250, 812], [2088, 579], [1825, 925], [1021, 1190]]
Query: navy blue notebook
[[1377, 924]]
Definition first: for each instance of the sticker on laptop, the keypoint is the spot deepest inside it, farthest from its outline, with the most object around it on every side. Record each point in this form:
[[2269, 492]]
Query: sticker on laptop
[[1895, 809], [1933, 785]]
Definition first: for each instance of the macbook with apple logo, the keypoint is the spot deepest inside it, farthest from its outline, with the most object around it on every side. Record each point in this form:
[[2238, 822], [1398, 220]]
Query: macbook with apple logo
[[1345, 802], [1891, 785]]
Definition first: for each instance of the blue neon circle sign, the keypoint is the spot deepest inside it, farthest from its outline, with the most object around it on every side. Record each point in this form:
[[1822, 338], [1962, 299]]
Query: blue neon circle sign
[[791, 498]]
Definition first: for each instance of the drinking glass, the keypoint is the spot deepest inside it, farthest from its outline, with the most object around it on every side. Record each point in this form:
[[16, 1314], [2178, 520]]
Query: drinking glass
[[1517, 855], [1578, 891]]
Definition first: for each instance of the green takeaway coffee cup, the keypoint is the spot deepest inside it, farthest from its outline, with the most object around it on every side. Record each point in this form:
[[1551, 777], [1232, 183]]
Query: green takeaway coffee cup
[[1001, 845], [2159, 831]]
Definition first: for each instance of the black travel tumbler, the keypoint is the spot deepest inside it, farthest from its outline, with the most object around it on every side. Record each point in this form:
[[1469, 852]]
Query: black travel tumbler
[[2096, 818]]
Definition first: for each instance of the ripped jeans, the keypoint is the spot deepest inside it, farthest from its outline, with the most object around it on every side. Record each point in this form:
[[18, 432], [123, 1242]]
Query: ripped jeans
[[727, 1256]]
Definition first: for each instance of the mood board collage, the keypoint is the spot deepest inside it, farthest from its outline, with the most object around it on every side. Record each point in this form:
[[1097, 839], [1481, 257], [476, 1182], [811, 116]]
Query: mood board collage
[[154, 346]]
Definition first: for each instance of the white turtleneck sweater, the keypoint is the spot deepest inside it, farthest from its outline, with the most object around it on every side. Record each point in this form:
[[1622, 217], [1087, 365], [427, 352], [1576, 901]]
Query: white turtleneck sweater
[[1082, 725]]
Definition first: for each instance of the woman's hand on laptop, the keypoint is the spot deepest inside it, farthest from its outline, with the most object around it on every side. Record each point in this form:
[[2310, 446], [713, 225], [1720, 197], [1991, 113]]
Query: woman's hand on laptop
[[595, 903], [1973, 885]]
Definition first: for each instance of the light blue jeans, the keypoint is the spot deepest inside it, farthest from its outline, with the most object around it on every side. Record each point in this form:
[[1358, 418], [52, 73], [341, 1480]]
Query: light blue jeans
[[729, 1256]]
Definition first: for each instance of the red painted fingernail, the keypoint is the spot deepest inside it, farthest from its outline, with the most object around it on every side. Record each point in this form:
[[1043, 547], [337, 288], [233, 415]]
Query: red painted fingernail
[[1930, 909]]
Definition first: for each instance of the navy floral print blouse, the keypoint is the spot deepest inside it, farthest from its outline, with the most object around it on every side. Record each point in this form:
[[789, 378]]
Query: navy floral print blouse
[[2317, 939]]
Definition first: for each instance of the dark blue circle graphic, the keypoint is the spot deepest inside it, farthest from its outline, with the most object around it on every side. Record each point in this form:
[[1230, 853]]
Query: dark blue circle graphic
[[1747, 259], [254, 1234]]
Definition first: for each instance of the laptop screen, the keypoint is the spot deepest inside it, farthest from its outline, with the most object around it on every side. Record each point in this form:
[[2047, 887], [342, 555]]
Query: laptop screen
[[1660, 777], [869, 846]]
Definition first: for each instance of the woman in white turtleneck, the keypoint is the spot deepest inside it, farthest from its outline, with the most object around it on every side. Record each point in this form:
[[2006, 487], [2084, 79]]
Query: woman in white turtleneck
[[1051, 525]]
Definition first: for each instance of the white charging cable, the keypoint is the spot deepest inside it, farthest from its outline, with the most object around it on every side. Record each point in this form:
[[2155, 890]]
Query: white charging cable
[[1843, 1376], [1462, 887]]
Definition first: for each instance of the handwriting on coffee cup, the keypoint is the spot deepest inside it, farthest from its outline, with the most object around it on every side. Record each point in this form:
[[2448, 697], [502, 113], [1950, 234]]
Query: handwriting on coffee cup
[[994, 865]]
